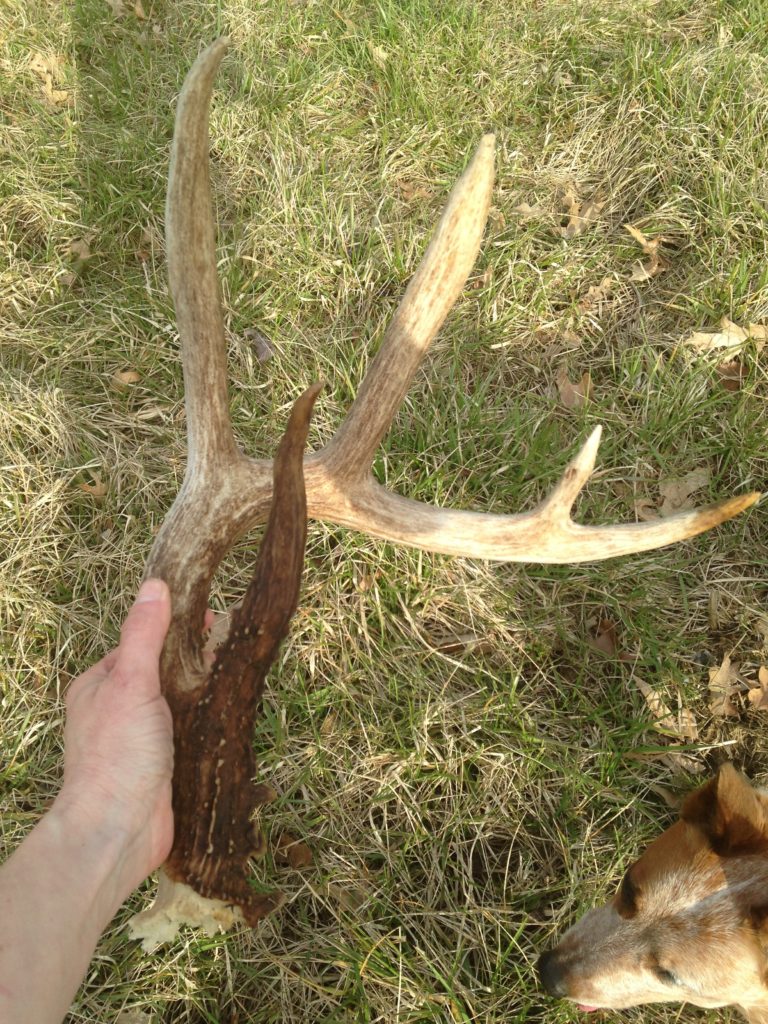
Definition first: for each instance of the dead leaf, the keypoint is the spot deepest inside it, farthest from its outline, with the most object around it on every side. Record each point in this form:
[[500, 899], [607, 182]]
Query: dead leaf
[[579, 217], [596, 294], [118, 8], [732, 374], [730, 336], [676, 493], [343, 18], [679, 761], [263, 794], [48, 69], [123, 378], [605, 638], [365, 581], [574, 396], [724, 682], [290, 851], [761, 625], [645, 510], [464, 643], [654, 264], [98, 489], [378, 53], [329, 724], [349, 897], [681, 725], [260, 344], [671, 797], [482, 280], [134, 1016], [138, 10], [758, 697], [527, 212], [81, 247], [410, 190]]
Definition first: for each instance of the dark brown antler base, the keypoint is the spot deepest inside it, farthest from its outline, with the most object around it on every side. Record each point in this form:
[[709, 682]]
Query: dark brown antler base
[[214, 798]]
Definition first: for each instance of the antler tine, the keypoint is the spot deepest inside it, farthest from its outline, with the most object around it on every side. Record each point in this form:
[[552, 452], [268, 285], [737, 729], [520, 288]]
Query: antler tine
[[545, 535], [191, 251], [429, 297]]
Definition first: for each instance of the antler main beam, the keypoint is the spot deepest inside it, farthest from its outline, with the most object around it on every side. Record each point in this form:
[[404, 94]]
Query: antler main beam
[[225, 493], [340, 488]]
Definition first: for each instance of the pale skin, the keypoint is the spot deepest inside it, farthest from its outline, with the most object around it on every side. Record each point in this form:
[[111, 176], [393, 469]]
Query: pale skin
[[109, 827]]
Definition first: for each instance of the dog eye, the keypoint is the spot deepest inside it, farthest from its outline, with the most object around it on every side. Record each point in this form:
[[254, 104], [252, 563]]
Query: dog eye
[[668, 977]]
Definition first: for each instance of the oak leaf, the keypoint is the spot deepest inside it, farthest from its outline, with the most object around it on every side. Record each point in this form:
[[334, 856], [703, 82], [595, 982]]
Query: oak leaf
[[596, 294], [730, 336], [48, 70], [654, 264], [124, 378], [98, 489], [580, 217], [379, 54], [606, 638], [574, 396], [724, 682], [732, 374], [410, 190], [681, 725], [758, 696], [290, 851], [676, 493], [527, 212], [81, 247]]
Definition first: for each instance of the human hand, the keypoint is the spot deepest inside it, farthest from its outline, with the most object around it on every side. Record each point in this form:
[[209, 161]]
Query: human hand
[[118, 741]]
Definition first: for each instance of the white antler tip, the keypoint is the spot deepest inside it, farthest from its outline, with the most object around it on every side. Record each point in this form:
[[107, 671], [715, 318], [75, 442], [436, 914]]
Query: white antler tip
[[584, 462], [485, 154]]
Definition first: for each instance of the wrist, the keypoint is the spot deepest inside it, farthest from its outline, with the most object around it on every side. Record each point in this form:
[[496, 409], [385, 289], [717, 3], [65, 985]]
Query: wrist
[[91, 845]]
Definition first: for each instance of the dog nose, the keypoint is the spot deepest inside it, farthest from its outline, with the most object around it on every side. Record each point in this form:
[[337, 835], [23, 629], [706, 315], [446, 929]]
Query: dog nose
[[550, 973]]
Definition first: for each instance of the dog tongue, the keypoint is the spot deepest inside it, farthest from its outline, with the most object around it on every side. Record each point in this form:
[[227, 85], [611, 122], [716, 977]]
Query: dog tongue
[[586, 1009]]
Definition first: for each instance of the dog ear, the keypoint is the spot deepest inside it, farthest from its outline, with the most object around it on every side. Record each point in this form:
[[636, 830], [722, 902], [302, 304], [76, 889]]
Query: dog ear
[[730, 814]]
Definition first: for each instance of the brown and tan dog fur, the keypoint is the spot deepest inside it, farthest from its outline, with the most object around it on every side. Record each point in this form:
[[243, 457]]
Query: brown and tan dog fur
[[689, 922]]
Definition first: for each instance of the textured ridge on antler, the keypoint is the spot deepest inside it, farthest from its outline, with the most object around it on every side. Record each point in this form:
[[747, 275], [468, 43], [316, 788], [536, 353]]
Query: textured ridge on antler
[[225, 493]]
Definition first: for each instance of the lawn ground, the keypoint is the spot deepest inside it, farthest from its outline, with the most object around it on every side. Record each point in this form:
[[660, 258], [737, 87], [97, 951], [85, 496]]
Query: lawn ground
[[470, 770]]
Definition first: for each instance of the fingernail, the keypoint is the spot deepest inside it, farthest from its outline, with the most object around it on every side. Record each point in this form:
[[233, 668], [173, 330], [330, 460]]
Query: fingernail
[[151, 590]]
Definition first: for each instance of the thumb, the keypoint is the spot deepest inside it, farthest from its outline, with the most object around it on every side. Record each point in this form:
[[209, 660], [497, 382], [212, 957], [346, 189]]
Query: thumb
[[143, 633]]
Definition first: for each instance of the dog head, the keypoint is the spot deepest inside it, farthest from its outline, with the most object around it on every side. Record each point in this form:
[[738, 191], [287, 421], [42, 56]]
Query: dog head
[[689, 921]]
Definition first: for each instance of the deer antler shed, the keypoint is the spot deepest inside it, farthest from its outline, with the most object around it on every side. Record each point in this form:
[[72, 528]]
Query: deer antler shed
[[204, 882]]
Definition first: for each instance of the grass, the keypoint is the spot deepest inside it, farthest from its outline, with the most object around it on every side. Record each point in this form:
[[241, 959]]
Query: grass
[[469, 772]]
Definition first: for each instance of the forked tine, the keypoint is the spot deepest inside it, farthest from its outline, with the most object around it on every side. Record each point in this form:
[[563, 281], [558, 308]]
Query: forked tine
[[546, 535]]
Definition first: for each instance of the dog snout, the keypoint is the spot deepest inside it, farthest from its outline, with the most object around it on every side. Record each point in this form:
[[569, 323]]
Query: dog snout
[[551, 973]]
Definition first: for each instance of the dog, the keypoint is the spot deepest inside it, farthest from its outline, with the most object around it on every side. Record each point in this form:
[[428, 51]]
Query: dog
[[689, 921]]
